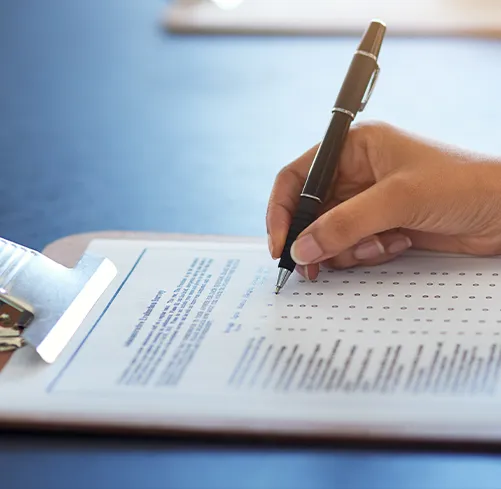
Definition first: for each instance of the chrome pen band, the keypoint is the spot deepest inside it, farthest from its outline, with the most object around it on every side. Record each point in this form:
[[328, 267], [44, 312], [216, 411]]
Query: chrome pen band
[[344, 111], [309, 196], [369, 55]]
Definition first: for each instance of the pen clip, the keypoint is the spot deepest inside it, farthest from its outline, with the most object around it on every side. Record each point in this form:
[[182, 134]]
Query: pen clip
[[370, 89]]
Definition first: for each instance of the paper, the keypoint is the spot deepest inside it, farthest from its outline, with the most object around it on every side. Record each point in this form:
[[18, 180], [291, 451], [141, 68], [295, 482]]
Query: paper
[[192, 333], [335, 16]]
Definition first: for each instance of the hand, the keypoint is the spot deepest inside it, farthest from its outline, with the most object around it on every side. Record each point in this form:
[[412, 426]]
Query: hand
[[392, 191]]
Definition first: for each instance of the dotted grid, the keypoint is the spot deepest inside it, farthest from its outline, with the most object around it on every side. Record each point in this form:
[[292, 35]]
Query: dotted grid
[[396, 299]]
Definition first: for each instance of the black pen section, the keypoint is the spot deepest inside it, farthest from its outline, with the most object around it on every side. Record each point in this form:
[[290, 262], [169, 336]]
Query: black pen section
[[307, 211]]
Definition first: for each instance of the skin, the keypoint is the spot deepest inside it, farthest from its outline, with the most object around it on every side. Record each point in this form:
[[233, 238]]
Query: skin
[[393, 190]]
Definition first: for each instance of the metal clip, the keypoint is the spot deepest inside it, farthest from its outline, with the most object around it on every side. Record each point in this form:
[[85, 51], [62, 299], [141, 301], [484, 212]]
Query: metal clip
[[13, 312], [42, 303], [14, 317], [370, 89]]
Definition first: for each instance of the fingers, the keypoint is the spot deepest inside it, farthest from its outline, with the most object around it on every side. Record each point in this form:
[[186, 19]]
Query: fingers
[[388, 180], [355, 173], [469, 245], [309, 272], [372, 251], [377, 209], [284, 198]]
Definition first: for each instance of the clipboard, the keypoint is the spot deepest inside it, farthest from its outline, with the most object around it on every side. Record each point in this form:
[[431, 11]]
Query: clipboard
[[340, 17], [67, 251]]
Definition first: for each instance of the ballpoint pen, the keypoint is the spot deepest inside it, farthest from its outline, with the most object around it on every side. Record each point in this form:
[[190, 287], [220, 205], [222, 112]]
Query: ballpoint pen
[[353, 97]]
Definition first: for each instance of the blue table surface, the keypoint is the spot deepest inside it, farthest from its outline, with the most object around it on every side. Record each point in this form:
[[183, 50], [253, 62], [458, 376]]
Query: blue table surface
[[109, 122]]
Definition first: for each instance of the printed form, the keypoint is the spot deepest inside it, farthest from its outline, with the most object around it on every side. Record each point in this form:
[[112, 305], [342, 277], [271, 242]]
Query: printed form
[[194, 329]]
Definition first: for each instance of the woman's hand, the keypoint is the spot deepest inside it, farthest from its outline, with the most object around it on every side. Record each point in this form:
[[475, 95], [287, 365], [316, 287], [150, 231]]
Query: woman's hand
[[392, 191]]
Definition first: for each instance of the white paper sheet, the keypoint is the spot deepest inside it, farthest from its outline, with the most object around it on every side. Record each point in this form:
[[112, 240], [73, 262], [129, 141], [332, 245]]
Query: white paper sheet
[[191, 333]]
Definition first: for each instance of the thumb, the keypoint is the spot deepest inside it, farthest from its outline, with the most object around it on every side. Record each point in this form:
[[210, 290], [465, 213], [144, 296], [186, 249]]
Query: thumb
[[370, 212]]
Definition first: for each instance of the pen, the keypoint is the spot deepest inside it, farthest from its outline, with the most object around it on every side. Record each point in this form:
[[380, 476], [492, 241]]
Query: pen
[[353, 97]]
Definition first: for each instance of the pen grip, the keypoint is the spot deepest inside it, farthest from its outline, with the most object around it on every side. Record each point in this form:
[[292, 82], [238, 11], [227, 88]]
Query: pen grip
[[306, 213]]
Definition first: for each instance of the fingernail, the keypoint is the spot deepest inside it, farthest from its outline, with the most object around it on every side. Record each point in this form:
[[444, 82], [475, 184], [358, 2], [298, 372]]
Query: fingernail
[[270, 245], [305, 250], [366, 251], [399, 245]]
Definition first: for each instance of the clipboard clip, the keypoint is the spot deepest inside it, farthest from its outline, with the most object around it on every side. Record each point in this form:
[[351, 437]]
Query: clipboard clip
[[43, 303]]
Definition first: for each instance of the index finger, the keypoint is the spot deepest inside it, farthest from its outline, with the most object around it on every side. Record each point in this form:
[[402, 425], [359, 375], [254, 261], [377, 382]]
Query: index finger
[[284, 199]]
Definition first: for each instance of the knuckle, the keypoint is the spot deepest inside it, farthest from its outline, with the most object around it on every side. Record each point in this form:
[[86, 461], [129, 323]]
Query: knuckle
[[294, 174], [372, 129], [371, 134], [283, 174], [370, 143], [286, 176], [282, 181]]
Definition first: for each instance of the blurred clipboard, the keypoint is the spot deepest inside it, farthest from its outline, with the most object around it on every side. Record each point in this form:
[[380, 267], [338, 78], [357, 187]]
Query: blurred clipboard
[[480, 18]]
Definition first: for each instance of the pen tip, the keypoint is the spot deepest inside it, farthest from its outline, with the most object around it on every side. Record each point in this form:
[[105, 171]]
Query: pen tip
[[277, 290]]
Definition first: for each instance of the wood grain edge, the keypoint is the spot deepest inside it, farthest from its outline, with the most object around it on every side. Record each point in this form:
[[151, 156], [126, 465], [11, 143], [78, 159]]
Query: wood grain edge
[[69, 249]]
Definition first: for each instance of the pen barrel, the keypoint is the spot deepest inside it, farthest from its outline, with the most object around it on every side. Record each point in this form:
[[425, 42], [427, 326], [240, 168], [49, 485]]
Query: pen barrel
[[357, 81], [306, 213], [323, 169]]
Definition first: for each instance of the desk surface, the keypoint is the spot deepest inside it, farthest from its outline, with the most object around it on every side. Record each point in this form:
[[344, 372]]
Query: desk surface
[[107, 122]]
